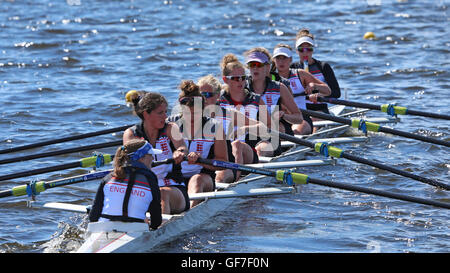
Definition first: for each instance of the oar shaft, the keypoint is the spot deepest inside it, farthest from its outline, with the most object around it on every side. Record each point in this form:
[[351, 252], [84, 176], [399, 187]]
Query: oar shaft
[[61, 152], [397, 109], [338, 153], [83, 163], [299, 178], [392, 195], [394, 170], [375, 127], [40, 171], [64, 139], [429, 115], [42, 186], [349, 103]]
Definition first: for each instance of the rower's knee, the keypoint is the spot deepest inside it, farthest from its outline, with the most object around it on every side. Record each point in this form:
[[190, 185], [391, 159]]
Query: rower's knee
[[265, 149]]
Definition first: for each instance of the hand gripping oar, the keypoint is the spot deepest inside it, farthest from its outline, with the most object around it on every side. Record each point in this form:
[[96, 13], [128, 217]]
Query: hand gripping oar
[[64, 139], [387, 108], [326, 150], [298, 178], [37, 187], [96, 160], [373, 127]]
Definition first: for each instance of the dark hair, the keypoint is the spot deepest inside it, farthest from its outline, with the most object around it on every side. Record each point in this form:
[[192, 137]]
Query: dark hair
[[145, 101], [122, 160], [304, 32], [189, 89]]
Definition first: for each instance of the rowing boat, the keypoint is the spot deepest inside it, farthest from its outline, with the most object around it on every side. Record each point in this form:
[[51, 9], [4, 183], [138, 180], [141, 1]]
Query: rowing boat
[[106, 237]]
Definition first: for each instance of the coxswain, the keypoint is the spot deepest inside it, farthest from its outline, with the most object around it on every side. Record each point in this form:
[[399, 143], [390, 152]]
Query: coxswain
[[131, 189]]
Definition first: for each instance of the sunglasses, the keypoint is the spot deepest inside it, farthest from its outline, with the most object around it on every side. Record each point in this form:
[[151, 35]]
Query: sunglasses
[[305, 49], [237, 78], [255, 64], [189, 101], [208, 95]]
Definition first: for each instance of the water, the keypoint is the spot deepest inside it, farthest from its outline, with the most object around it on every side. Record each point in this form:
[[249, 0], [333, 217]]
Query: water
[[65, 67]]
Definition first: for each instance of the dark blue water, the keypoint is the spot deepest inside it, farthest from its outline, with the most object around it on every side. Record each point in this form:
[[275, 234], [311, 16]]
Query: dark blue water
[[65, 67]]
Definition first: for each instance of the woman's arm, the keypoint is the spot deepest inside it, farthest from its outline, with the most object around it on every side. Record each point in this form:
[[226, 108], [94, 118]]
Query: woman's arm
[[312, 83], [128, 135], [293, 114], [331, 80]]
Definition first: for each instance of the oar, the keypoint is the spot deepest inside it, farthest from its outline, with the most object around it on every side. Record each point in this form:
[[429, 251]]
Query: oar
[[64, 151], [387, 108], [64, 139], [97, 160], [369, 126], [326, 150], [298, 178], [38, 187]]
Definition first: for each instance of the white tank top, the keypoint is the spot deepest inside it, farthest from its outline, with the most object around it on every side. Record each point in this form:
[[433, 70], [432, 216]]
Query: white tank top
[[250, 109], [297, 88]]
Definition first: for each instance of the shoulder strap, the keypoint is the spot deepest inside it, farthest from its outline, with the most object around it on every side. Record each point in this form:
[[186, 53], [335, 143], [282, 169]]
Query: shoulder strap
[[126, 198]]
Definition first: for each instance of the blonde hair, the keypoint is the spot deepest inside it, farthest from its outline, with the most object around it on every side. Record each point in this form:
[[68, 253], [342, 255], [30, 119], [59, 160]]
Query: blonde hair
[[122, 160], [212, 81]]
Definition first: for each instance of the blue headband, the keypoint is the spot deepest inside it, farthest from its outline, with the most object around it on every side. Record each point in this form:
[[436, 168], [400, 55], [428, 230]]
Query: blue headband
[[144, 150]]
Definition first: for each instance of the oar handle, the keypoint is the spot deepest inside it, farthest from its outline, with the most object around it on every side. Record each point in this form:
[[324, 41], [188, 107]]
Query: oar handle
[[165, 161]]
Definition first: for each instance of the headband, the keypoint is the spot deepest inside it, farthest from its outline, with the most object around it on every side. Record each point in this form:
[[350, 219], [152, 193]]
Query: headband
[[145, 149]]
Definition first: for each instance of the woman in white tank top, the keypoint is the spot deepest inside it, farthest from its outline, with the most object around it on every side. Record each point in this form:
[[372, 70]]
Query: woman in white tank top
[[301, 83]]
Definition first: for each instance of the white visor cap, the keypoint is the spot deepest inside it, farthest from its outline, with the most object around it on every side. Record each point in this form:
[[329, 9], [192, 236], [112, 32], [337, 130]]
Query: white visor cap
[[283, 51], [304, 39]]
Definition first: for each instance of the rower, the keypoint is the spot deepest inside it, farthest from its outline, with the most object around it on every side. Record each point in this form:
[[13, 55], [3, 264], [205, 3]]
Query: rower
[[151, 108], [321, 70], [300, 82], [241, 109], [204, 138], [279, 100], [131, 189]]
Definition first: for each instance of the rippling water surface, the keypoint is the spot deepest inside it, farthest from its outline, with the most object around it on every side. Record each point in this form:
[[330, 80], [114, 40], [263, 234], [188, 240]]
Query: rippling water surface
[[65, 67]]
